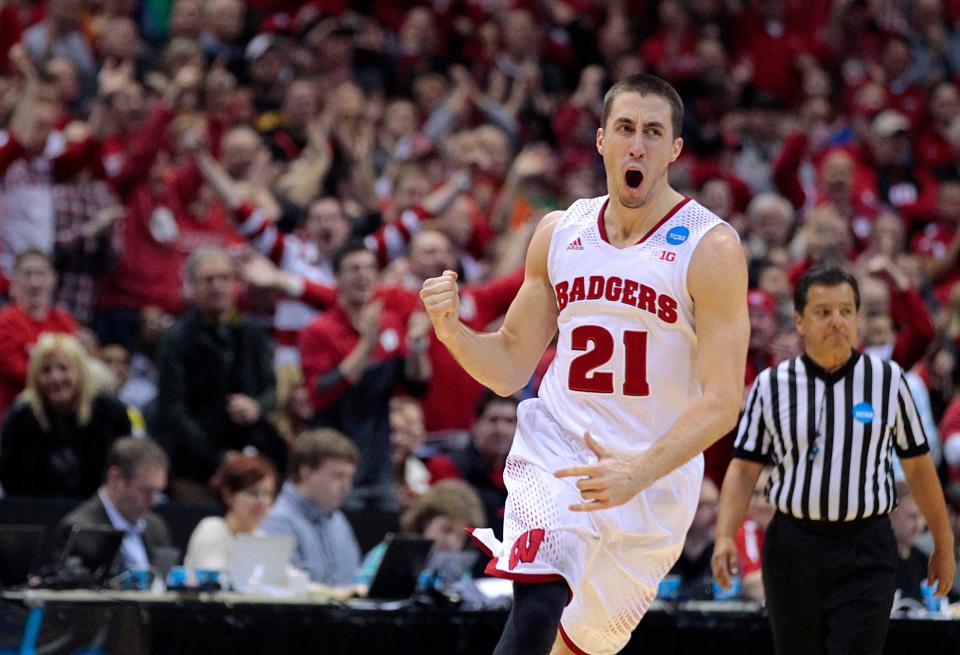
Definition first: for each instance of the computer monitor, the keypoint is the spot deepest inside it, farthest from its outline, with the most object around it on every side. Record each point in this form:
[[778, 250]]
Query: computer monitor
[[21, 551], [403, 562]]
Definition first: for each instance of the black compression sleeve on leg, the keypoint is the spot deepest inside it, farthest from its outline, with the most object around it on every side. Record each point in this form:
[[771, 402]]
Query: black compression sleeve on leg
[[534, 618]]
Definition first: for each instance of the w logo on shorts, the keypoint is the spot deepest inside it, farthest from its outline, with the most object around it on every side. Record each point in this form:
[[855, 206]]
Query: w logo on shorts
[[525, 547]]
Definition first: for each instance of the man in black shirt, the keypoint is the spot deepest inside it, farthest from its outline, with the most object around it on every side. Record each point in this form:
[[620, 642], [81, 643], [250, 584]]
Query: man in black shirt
[[829, 422], [216, 382]]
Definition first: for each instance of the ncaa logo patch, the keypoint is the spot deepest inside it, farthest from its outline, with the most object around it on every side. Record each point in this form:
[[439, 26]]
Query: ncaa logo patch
[[863, 412], [677, 235]]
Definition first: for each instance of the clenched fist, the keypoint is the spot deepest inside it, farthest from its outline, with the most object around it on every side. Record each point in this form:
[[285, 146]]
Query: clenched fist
[[441, 298]]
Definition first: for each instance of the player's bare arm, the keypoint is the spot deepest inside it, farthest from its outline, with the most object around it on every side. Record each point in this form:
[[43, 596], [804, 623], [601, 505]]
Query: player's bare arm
[[503, 360], [717, 281]]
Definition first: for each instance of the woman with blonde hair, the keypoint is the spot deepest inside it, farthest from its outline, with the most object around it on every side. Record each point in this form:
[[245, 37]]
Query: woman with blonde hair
[[55, 438], [293, 412]]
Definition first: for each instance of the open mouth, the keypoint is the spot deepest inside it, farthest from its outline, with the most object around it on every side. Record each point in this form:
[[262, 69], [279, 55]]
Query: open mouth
[[633, 179]]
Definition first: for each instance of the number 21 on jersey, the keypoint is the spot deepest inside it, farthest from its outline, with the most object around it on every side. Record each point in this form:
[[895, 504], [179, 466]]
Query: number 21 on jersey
[[584, 375]]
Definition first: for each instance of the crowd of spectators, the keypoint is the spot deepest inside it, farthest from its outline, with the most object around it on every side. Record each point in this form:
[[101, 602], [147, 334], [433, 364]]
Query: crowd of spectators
[[231, 205]]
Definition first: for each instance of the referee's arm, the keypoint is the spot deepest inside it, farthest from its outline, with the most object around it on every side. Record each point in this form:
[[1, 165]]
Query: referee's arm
[[921, 475], [751, 452]]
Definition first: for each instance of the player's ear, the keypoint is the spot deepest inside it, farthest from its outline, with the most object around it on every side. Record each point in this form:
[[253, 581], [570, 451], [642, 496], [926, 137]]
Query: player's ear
[[677, 149], [600, 140]]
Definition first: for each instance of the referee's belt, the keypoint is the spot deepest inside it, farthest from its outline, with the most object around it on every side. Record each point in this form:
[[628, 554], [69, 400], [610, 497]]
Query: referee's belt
[[832, 527]]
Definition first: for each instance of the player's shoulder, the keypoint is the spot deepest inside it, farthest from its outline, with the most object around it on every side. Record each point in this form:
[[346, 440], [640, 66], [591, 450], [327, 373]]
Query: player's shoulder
[[719, 238], [579, 212], [718, 265], [722, 238], [694, 215], [542, 237], [718, 247], [549, 222]]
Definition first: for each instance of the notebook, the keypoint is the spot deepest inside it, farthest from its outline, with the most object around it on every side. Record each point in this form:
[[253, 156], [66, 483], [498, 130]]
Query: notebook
[[403, 561]]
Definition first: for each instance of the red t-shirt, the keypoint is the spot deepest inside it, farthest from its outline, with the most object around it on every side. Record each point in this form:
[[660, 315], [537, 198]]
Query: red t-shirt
[[328, 340], [20, 332]]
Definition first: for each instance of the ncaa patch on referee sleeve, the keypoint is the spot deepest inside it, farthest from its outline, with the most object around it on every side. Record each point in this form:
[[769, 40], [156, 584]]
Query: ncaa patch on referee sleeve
[[863, 412]]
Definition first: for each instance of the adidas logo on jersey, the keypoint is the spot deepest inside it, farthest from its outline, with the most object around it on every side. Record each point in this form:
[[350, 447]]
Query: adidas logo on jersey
[[576, 244]]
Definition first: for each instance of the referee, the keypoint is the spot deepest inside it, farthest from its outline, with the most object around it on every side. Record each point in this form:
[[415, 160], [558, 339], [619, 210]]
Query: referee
[[829, 422]]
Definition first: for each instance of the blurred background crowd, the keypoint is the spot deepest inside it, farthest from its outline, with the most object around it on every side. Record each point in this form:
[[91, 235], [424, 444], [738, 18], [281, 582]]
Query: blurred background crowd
[[231, 206]]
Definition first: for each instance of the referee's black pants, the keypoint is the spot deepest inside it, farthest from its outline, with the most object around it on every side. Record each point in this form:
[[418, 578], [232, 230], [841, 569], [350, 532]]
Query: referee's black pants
[[829, 586]]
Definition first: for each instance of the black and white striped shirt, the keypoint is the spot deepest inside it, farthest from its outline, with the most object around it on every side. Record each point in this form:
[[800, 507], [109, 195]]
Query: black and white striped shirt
[[831, 436]]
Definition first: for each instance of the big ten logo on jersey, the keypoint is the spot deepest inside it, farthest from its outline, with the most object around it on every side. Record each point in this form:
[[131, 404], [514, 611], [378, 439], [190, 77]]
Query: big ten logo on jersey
[[526, 546], [664, 256]]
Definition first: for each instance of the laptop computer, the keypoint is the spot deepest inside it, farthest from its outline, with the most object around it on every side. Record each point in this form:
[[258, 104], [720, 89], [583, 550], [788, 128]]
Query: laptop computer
[[21, 551], [96, 548], [399, 571], [260, 560]]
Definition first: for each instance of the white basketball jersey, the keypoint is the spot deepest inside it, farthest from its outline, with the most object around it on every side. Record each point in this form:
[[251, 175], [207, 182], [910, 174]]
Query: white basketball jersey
[[626, 359]]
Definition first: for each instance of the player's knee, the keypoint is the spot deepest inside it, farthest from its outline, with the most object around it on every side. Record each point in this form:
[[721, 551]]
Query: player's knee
[[544, 600], [535, 618]]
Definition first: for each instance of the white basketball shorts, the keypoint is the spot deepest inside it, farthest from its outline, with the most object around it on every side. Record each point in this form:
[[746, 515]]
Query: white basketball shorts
[[612, 559]]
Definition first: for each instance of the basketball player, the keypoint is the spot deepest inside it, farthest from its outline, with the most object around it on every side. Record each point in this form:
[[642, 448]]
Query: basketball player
[[648, 290]]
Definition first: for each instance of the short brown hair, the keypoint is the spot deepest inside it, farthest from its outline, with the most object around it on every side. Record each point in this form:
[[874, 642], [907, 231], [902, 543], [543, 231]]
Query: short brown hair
[[240, 471], [453, 498], [646, 84], [313, 448], [202, 255], [128, 454]]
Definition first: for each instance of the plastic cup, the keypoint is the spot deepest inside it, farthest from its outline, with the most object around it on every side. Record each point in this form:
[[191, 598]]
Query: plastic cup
[[931, 602], [141, 579], [719, 593], [178, 578], [207, 579]]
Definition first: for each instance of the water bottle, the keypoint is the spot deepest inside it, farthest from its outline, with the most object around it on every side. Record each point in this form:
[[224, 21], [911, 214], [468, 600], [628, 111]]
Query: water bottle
[[931, 602]]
